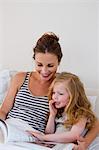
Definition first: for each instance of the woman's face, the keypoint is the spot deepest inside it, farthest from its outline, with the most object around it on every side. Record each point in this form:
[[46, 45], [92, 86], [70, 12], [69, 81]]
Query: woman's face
[[46, 65], [60, 95]]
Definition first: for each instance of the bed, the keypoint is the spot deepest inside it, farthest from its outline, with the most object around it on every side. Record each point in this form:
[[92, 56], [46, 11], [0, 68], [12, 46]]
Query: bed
[[5, 77]]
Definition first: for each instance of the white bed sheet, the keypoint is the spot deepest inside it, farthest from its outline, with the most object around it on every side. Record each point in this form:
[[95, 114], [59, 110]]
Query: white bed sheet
[[29, 146], [22, 146]]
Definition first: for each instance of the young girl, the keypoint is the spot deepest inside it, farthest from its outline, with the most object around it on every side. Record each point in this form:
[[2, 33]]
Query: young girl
[[70, 110]]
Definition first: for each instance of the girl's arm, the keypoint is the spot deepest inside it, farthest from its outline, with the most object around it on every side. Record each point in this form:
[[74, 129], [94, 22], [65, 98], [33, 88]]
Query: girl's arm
[[50, 127], [10, 97], [83, 143], [64, 137]]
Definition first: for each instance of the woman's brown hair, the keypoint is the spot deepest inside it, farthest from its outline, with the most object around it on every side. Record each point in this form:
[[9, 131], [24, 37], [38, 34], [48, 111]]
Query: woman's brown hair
[[48, 43]]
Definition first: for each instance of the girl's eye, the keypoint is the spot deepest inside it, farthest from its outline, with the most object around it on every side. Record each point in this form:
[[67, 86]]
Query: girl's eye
[[60, 93], [53, 92]]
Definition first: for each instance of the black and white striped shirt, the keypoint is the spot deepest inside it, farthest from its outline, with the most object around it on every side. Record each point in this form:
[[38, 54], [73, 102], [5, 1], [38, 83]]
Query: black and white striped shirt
[[32, 109]]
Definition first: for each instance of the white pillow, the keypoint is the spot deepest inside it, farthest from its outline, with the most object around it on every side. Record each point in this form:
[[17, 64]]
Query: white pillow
[[5, 77], [92, 99]]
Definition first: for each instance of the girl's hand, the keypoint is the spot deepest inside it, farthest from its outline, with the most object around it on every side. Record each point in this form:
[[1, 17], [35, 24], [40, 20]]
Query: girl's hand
[[38, 135], [53, 110]]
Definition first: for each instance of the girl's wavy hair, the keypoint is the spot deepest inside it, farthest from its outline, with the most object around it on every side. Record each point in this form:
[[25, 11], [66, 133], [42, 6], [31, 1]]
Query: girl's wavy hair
[[79, 105]]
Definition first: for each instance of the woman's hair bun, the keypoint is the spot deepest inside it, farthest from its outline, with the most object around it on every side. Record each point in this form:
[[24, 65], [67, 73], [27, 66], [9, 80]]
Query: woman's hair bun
[[51, 35]]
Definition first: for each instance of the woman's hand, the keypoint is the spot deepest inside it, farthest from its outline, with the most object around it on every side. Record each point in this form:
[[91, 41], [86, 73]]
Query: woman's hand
[[53, 110], [81, 144], [38, 135]]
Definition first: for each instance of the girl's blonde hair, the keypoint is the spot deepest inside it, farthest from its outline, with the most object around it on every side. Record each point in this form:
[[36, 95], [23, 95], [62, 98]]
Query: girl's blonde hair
[[79, 105]]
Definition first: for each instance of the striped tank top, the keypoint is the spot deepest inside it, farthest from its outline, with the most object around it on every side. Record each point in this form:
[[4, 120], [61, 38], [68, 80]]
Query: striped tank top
[[32, 109]]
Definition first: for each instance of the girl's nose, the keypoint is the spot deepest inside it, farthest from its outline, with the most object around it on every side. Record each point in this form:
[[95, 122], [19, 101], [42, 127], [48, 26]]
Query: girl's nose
[[55, 96]]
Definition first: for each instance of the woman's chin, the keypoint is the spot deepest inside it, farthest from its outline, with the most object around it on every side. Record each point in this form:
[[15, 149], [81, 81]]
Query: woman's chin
[[46, 78]]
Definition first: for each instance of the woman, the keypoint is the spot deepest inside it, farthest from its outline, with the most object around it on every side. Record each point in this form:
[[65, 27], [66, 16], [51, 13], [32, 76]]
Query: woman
[[27, 100], [27, 88]]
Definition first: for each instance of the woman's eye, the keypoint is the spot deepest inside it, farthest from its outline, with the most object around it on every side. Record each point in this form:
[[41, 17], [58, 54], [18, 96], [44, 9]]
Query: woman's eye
[[50, 65], [39, 65]]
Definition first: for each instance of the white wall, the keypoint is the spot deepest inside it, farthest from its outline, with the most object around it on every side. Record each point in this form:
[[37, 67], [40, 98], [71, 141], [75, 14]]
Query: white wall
[[75, 21], [98, 37]]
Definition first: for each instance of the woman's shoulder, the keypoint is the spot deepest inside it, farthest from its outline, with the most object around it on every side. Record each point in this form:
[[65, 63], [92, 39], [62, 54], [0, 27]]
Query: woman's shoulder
[[20, 75], [19, 78]]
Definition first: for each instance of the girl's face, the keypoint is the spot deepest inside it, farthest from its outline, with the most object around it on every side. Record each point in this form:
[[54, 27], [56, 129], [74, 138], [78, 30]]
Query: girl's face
[[46, 65], [60, 95]]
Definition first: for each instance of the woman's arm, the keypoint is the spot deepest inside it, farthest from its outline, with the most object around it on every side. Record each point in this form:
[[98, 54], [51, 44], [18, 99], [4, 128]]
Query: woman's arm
[[10, 97], [64, 137], [83, 143]]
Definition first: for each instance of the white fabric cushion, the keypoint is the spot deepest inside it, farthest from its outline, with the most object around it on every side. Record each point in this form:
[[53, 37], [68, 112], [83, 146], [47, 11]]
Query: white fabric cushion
[[92, 99], [5, 77]]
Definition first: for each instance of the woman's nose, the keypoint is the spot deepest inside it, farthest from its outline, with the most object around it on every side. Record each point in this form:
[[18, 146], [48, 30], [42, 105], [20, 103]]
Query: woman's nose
[[44, 70]]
